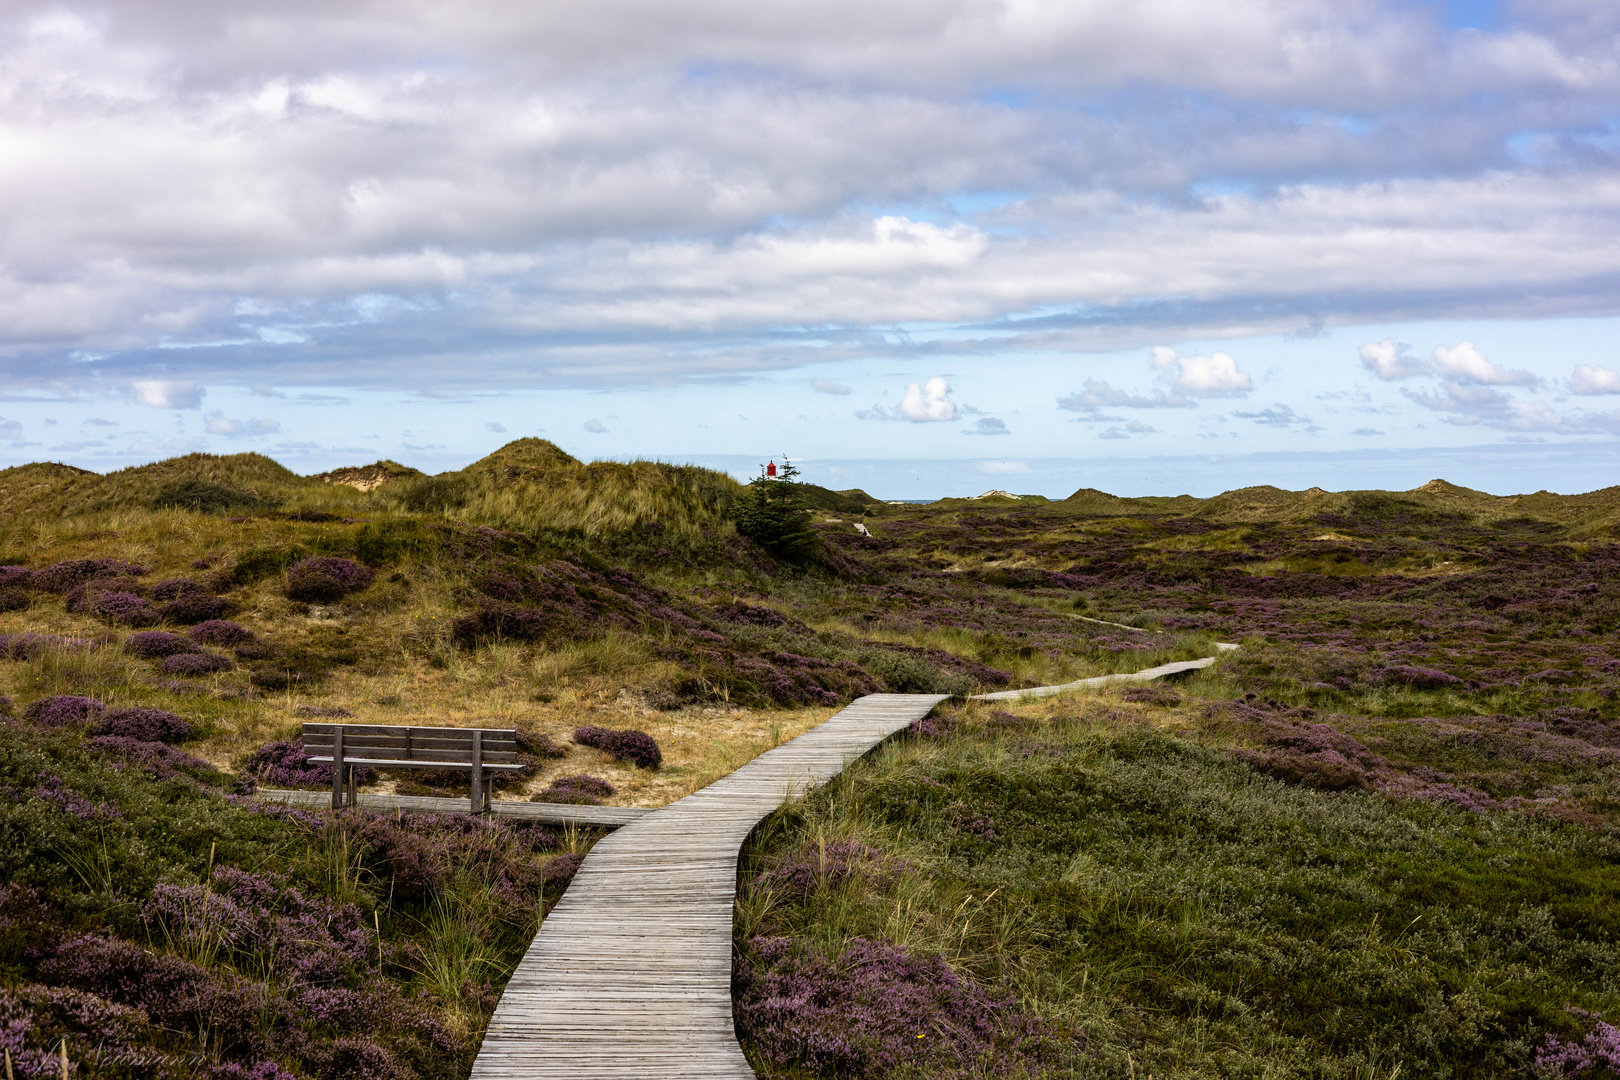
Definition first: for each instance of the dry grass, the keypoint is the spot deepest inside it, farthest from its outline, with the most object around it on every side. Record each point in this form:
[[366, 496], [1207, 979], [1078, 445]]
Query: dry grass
[[700, 744], [406, 669]]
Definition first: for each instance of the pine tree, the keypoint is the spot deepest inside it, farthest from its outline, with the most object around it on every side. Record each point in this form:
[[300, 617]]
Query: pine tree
[[772, 514]]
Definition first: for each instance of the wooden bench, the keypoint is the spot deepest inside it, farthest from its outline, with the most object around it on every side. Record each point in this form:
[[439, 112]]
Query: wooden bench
[[480, 751]]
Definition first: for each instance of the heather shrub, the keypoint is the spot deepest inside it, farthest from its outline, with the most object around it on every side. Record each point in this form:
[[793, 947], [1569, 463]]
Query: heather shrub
[[196, 607], [15, 577], [64, 576], [1419, 678], [5, 705], [13, 599], [584, 790], [26, 646], [875, 1010], [499, 586], [34, 1018], [1153, 694], [221, 633], [172, 991], [539, 745], [415, 865], [937, 724], [151, 725], [752, 615], [63, 710], [158, 760], [193, 663], [78, 598], [494, 620], [154, 644], [636, 747], [281, 764], [324, 578], [175, 587], [795, 875], [560, 871], [265, 922], [1599, 1050], [106, 600], [1298, 751]]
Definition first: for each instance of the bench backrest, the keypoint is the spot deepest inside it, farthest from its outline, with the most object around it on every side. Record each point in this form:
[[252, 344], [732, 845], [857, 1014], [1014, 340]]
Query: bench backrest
[[362, 742]]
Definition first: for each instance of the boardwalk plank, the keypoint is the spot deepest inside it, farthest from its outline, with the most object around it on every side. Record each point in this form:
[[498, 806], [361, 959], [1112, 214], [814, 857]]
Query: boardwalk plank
[[584, 817]]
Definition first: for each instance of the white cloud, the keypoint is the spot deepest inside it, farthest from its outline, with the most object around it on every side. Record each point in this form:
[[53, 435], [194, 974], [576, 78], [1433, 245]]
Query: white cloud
[[265, 390], [1203, 376], [1366, 431], [496, 427], [1468, 363], [1278, 415], [219, 424], [1539, 416], [822, 386], [1592, 379], [928, 402], [448, 187], [1389, 359], [168, 394], [595, 426], [1098, 394], [1126, 430], [161, 448], [1465, 404], [990, 425]]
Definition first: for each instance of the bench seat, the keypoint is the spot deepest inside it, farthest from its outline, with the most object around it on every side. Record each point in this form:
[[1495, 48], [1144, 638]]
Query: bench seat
[[414, 763], [479, 751]]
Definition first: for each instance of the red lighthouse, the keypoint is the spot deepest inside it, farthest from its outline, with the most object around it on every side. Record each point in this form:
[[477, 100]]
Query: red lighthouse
[[770, 470]]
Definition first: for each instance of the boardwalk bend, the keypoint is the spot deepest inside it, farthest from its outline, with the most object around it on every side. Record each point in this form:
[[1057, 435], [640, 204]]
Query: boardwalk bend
[[630, 976]]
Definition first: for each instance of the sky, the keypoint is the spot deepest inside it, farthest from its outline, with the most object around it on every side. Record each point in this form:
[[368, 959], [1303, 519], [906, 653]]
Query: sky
[[926, 248]]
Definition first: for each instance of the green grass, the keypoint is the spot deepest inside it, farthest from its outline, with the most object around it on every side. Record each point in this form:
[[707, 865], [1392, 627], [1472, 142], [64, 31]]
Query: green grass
[[1196, 919]]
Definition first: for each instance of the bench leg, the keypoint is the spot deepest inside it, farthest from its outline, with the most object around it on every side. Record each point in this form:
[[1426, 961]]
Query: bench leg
[[337, 768], [354, 786], [476, 796]]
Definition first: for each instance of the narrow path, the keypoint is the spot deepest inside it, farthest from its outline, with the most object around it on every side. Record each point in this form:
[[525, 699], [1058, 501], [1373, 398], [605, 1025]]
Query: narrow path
[[630, 975], [584, 817], [1145, 675]]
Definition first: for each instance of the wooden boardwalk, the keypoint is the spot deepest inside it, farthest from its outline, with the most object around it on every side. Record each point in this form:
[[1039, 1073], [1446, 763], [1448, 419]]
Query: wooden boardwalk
[[1145, 675], [584, 817], [630, 976]]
